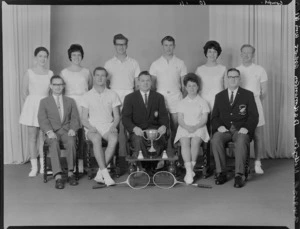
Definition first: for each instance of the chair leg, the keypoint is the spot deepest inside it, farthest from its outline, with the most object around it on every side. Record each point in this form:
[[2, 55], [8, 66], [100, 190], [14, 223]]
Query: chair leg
[[45, 152], [88, 161], [131, 167], [172, 168], [247, 167]]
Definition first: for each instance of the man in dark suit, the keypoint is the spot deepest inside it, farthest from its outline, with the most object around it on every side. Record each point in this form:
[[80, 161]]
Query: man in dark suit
[[234, 118], [145, 109], [58, 117]]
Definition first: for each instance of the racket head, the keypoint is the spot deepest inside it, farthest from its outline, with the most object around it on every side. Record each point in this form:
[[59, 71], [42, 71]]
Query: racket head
[[138, 180], [164, 180]]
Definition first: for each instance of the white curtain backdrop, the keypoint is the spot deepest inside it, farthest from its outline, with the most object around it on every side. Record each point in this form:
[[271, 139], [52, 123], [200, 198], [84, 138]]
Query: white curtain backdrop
[[24, 29], [271, 30]]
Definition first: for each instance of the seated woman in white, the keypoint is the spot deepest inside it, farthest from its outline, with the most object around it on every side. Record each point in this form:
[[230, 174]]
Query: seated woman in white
[[192, 130]]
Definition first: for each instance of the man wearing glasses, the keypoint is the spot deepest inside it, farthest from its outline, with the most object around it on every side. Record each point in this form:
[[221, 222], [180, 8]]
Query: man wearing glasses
[[58, 117], [234, 118]]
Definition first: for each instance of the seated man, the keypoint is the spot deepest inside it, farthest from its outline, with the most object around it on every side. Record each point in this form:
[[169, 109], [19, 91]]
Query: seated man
[[58, 117], [234, 118], [145, 109], [100, 117]]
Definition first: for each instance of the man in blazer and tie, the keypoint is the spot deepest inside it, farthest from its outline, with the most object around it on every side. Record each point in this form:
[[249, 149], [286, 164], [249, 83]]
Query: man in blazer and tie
[[234, 118], [145, 109], [58, 117]]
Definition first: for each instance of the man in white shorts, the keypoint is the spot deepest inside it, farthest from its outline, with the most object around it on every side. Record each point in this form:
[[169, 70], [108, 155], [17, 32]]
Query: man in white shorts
[[168, 71], [254, 78], [101, 117]]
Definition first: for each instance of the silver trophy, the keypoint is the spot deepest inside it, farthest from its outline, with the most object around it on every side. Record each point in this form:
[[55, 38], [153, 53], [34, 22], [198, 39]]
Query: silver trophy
[[152, 135]]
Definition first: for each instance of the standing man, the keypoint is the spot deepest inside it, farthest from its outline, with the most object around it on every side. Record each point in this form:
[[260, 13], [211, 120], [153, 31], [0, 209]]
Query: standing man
[[254, 78], [123, 72], [145, 109], [234, 118], [122, 69], [58, 117], [101, 117], [168, 71]]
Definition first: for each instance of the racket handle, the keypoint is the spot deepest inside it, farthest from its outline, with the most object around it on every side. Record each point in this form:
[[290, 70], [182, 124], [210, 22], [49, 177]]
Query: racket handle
[[202, 185], [97, 186]]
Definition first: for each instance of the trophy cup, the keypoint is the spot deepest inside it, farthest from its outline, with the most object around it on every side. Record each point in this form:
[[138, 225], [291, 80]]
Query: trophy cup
[[152, 135]]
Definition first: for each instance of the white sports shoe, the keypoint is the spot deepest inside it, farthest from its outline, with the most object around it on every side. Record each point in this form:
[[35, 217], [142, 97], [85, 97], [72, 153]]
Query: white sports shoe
[[258, 168]]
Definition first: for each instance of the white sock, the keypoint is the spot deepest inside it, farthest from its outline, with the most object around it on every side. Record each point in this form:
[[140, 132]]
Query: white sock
[[258, 168], [99, 177], [188, 179], [193, 165], [34, 168], [107, 179]]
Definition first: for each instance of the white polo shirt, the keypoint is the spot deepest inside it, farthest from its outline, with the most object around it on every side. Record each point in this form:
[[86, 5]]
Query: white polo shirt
[[168, 73], [100, 105], [252, 76], [122, 74]]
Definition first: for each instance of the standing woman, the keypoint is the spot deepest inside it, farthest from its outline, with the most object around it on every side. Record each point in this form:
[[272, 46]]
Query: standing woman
[[78, 80], [35, 87], [192, 117], [211, 74]]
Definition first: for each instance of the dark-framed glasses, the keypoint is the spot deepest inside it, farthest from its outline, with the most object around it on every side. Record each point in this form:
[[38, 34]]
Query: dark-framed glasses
[[233, 77]]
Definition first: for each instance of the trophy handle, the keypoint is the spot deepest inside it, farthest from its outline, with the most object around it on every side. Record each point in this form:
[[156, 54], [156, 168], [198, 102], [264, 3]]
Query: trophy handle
[[144, 135], [158, 136]]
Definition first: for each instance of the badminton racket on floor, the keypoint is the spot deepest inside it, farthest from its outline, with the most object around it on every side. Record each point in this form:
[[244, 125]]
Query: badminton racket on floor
[[166, 180], [135, 180]]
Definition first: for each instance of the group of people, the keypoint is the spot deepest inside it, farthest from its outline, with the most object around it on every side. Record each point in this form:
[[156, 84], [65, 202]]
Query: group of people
[[193, 106]]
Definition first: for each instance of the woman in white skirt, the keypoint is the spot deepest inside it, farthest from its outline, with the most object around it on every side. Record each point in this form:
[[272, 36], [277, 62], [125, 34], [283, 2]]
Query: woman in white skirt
[[192, 130], [35, 87], [78, 80]]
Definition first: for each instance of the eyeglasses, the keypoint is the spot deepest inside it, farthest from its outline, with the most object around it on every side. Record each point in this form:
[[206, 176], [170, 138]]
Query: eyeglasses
[[233, 77], [55, 84], [120, 44], [141, 179]]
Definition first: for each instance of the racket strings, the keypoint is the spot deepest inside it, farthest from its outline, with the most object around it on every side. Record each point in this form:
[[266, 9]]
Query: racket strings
[[138, 180], [164, 180]]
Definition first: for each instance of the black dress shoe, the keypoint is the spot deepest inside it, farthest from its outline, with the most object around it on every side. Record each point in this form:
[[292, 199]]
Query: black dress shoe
[[238, 181], [72, 180], [59, 184], [221, 178]]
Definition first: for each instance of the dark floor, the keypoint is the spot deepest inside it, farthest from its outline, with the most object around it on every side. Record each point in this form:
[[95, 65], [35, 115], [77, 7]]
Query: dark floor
[[266, 200]]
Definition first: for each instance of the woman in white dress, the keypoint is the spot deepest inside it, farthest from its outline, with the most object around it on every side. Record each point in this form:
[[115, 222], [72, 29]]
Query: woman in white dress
[[211, 74], [78, 80], [192, 117], [35, 87]]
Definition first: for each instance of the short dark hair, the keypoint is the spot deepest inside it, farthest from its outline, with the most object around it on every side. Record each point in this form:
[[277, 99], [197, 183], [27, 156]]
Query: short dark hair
[[144, 73], [232, 70], [38, 49], [120, 37], [168, 38], [249, 46], [75, 48], [57, 77], [212, 45], [192, 77], [100, 68]]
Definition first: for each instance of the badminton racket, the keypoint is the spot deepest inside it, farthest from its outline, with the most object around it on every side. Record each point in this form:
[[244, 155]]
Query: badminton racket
[[135, 180], [166, 180]]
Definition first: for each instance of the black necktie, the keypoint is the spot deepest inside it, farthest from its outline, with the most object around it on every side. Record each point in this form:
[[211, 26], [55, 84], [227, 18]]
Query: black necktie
[[231, 98], [146, 100]]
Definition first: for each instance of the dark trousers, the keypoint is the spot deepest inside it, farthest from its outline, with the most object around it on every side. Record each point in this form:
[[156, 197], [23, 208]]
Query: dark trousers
[[241, 144], [54, 151]]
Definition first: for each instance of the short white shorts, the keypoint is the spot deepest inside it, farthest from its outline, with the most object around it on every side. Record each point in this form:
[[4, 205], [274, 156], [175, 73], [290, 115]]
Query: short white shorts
[[102, 128]]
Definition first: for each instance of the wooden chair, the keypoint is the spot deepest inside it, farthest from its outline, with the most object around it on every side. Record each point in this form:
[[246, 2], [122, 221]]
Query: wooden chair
[[62, 147]]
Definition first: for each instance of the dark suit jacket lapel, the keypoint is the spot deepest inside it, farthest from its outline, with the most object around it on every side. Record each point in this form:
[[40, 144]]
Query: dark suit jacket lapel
[[140, 100], [226, 98], [237, 96], [53, 104], [150, 102], [65, 104]]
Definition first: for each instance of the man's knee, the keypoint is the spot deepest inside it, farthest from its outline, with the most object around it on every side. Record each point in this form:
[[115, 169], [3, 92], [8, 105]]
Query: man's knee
[[71, 141], [52, 141], [217, 138], [242, 139], [95, 138], [113, 139]]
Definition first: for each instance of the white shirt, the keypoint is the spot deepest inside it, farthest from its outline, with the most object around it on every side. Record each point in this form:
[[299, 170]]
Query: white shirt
[[168, 73], [61, 105], [234, 93], [122, 74], [252, 77], [143, 95], [100, 105]]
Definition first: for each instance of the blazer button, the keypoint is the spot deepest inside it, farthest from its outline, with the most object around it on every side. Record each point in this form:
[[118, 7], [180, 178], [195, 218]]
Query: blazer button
[[230, 113], [231, 122]]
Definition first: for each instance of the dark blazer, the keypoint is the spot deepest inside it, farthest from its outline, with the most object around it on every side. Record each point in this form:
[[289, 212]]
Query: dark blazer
[[135, 113], [49, 119], [243, 112]]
